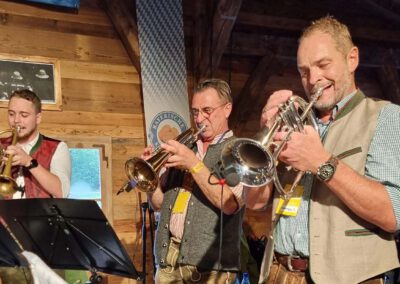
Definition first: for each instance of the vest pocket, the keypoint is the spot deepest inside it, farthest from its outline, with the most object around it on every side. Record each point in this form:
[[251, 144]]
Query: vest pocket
[[360, 232], [350, 152]]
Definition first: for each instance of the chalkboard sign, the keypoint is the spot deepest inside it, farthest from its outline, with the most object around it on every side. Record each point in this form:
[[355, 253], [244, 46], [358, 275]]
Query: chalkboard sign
[[38, 74]]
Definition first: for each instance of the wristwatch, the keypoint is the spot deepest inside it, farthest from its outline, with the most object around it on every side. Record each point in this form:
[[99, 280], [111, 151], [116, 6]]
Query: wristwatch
[[326, 171], [33, 164]]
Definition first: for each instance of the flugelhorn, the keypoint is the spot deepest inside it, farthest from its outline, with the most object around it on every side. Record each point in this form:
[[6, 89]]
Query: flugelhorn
[[8, 186], [255, 160], [143, 174]]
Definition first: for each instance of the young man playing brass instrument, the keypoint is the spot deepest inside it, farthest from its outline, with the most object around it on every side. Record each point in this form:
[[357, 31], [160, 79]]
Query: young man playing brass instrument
[[41, 166]]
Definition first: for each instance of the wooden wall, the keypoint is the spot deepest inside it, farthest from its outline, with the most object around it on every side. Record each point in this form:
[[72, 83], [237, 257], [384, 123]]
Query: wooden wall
[[100, 91]]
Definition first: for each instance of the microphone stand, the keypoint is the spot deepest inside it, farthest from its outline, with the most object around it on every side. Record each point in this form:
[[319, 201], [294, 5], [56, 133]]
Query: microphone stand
[[145, 207], [151, 221]]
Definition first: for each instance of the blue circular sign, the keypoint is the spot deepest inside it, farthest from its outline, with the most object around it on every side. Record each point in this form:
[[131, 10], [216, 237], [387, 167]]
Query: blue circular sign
[[165, 121]]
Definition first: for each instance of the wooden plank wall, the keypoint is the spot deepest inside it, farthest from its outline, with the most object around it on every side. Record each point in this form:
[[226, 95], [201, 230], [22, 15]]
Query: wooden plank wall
[[100, 91]]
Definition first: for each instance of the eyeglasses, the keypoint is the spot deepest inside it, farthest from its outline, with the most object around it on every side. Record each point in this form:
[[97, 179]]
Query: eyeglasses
[[205, 111]]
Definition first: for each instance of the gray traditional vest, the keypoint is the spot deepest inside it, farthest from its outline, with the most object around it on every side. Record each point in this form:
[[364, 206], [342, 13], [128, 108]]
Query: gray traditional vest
[[201, 236], [343, 247]]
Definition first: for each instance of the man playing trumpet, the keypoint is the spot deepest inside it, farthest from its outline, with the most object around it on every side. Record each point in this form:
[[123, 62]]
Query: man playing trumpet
[[198, 235], [338, 225], [41, 166]]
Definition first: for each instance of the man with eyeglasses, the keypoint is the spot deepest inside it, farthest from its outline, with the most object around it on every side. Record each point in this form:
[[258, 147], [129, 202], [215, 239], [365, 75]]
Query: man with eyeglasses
[[198, 236]]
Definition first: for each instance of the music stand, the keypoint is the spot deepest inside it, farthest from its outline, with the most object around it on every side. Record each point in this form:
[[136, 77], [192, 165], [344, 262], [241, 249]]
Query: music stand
[[10, 252], [68, 234]]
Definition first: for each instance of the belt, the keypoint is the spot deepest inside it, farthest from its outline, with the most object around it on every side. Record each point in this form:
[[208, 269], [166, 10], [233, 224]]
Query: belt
[[292, 262]]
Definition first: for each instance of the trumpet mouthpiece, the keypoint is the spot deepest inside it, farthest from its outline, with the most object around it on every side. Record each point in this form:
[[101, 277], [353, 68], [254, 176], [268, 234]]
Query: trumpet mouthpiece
[[201, 128], [317, 90]]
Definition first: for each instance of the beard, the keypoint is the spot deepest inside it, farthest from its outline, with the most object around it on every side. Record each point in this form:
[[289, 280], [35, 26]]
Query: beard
[[339, 94], [25, 136], [326, 105]]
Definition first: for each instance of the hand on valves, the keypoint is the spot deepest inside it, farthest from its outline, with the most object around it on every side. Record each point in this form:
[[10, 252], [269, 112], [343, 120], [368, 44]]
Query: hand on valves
[[19, 156]]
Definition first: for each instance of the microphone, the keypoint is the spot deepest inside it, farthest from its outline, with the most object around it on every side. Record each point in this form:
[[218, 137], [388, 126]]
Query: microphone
[[228, 176], [128, 186]]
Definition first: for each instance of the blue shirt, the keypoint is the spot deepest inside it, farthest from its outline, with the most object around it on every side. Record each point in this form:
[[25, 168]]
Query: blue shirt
[[383, 165]]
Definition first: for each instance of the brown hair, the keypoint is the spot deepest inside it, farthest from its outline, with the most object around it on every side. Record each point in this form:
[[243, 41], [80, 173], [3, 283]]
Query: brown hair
[[337, 30], [29, 96], [222, 88]]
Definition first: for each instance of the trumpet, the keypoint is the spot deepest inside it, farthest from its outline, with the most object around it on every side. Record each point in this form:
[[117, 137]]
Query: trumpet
[[255, 160], [143, 174], [8, 185]]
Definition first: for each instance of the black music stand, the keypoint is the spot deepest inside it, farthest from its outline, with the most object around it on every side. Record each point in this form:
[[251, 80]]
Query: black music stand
[[68, 234], [10, 252]]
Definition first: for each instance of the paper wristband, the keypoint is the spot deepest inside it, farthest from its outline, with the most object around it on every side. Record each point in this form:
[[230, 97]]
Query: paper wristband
[[197, 168]]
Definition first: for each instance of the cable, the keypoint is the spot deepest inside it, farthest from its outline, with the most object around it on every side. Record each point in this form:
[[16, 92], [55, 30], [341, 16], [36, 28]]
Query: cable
[[221, 181], [221, 227]]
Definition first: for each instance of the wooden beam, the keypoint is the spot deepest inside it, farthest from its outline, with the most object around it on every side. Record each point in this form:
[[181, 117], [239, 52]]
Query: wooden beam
[[211, 39], [201, 39], [253, 90], [271, 22], [223, 22], [126, 27], [295, 26], [285, 47]]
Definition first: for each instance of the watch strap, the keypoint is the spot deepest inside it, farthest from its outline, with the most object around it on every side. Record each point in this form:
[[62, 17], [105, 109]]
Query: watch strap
[[33, 164], [333, 160]]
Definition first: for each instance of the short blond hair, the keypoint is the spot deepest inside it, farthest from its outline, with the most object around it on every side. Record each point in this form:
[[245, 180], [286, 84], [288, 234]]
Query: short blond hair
[[337, 30], [222, 88]]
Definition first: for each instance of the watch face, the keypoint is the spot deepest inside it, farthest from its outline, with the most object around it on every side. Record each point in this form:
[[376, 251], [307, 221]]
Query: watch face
[[326, 171], [34, 164]]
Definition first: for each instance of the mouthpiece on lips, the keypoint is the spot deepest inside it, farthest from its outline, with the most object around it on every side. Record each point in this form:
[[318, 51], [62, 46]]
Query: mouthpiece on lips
[[319, 88], [200, 129]]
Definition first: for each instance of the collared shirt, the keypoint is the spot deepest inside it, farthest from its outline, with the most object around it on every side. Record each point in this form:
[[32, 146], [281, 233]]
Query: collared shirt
[[383, 164], [177, 221], [60, 164], [324, 126]]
